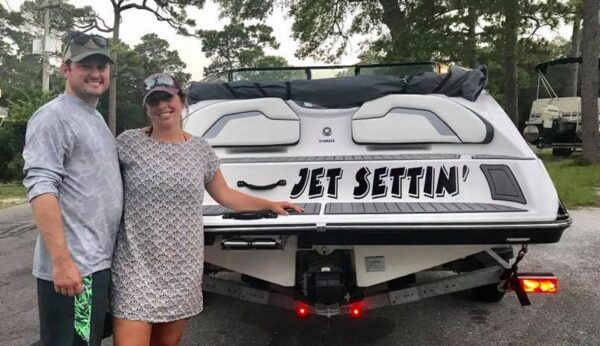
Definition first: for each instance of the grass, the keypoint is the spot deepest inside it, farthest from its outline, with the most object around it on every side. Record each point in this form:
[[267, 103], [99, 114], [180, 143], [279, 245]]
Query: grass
[[578, 184], [11, 194]]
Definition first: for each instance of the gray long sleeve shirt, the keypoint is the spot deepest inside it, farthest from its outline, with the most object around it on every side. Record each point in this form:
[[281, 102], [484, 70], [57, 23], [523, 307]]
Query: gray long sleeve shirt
[[70, 153]]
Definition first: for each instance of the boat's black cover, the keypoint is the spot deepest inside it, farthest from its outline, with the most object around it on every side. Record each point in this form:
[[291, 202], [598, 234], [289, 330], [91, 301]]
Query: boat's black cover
[[347, 91], [543, 67]]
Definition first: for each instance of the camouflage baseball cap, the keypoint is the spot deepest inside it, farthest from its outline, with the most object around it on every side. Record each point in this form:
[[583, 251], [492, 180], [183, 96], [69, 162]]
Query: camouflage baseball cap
[[82, 45]]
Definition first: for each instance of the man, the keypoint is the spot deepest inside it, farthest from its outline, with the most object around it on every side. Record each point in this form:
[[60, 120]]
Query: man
[[74, 187]]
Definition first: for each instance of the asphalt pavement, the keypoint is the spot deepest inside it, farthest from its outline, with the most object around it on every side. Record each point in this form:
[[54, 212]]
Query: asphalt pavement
[[572, 317]]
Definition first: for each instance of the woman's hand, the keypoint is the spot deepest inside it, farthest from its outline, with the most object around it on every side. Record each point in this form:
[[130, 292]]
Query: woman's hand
[[280, 207]]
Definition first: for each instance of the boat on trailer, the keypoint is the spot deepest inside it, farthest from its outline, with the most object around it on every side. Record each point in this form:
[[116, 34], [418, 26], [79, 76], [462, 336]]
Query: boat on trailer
[[398, 175]]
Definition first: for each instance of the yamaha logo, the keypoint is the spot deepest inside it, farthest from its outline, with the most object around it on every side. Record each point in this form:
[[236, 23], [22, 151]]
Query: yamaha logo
[[327, 131]]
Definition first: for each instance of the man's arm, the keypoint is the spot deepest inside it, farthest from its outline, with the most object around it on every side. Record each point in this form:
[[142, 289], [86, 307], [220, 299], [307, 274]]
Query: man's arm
[[66, 275], [47, 142]]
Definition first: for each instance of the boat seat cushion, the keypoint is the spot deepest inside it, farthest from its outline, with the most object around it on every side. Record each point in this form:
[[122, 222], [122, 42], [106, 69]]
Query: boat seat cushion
[[254, 122], [400, 119]]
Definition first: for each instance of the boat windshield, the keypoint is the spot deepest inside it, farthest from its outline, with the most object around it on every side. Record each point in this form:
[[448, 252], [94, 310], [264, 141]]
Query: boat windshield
[[319, 72]]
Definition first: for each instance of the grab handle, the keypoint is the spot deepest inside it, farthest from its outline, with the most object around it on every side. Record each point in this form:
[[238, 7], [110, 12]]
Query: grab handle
[[250, 215], [242, 183]]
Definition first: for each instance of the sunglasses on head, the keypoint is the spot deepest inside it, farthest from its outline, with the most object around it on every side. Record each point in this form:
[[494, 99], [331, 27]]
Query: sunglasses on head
[[81, 39], [160, 80]]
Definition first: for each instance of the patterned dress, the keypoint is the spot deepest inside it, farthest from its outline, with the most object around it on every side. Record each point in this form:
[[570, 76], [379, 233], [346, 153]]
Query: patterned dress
[[158, 261]]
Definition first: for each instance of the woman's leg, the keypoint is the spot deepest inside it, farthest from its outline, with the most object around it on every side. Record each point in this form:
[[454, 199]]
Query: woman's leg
[[167, 334], [131, 333]]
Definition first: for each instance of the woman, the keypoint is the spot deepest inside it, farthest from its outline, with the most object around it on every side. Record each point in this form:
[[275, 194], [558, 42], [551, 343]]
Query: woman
[[158, 260]]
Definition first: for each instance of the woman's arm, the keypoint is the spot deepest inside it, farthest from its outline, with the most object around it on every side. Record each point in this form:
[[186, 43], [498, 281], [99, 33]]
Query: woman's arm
[[236, 200]]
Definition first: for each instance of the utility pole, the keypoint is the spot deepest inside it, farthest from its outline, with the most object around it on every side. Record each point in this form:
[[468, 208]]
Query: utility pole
[[45, 62]]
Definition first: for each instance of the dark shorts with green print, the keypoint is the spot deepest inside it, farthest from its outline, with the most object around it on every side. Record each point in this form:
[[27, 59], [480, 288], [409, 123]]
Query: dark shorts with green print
[[74, 320]]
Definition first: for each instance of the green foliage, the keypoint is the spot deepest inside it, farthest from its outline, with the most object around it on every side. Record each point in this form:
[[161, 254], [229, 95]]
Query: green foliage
[[238, 45], [12, 137], [239, 10], [173, 12], [22, 105], [156, 57], [11, 194], [577, 185]]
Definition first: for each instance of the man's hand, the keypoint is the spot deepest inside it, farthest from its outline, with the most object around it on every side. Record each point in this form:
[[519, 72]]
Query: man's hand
[[67, 278], [280, 207]]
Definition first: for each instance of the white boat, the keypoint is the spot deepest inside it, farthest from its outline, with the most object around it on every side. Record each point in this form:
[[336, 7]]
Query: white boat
[[555, 121], [392, 187]]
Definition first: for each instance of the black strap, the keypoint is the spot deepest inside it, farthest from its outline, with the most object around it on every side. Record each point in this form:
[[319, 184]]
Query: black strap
[[288, 90], [262, 91], [519, 290], [512, 279], [483, 70], [443, 82], [232, 91]]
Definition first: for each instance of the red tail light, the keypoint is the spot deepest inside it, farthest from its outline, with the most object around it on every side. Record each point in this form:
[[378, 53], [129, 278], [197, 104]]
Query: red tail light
[[539, 284], [356, 310], [302, 310]]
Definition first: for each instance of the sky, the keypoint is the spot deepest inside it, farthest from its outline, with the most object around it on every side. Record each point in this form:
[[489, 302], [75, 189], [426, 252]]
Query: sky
[[137, 23]]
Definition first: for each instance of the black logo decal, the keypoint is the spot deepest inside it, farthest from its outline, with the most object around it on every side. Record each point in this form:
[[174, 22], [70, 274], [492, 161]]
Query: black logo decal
[[379, 186], [299, 188], [447, 182], [333, 175], [415, 175], [315, 189], [422, 179], [397, 175], [429, 178], [363, 187]]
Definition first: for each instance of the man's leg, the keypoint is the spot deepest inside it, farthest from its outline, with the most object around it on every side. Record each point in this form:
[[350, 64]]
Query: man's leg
[[56, 315], [74, 321], [100, 305]]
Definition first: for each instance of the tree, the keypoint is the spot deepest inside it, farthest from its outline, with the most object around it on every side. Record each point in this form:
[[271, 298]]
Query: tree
[[239, 45], [511, 28], [510, 36], [571, 80], [158, 58], [589, 82], [21, 70], [12, 133], [407, 29], [171, 12]]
